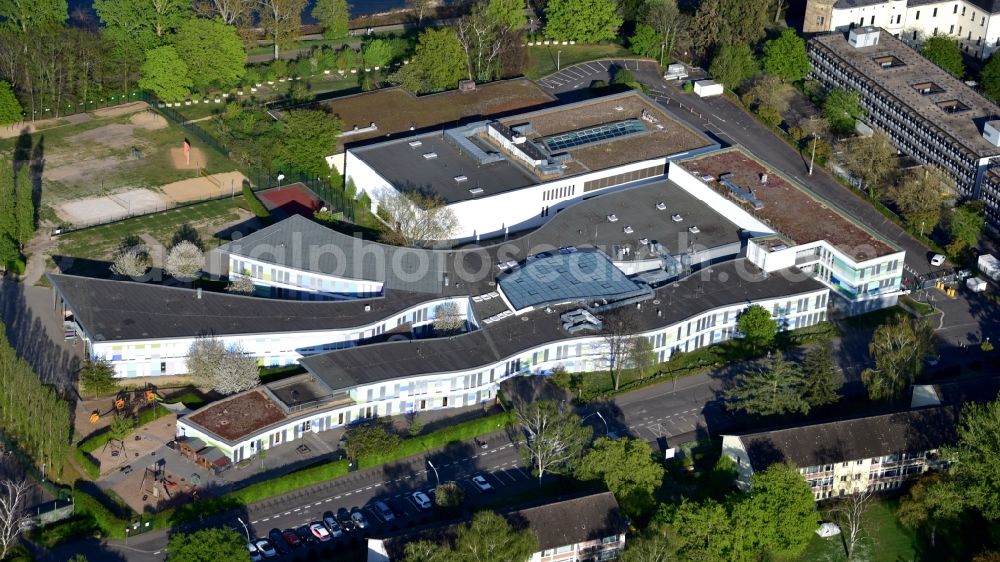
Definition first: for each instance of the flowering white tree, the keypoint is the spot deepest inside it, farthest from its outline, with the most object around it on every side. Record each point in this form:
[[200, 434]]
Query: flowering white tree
[[184, 261], [13, 496], [241, 285], [448, 319], [227, 371], [132, 261]]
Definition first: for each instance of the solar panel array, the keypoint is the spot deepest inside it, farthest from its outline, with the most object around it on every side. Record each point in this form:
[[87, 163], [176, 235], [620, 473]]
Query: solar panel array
[[599, 133], [554, 278]]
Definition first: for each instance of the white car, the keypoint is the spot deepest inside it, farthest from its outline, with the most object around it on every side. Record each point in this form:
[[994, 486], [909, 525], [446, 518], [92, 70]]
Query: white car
[[254, 553], [320, 532], [937, 260], [421, 500], [264, 547], [828, 529], [482, 484], [384, 511]]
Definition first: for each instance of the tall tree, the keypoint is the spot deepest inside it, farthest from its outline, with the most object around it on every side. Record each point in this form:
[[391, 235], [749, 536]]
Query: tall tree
[[8, 218], [777, 388], [898, 349], [757, 326], [990, 77], [370, 439], [703, 531], [932, 500], [333, 15], [10, 108], [26, 16], [645, 41], [415, 218], [620, 327], [24, 206], [507, 14], [652, 547], [552, 437], [232, 12], [920, 194], [215, 543], [98, 377], [966, 222], [732, 65], [974, 457], [728, 22], [165, 74], [490, 538], [130, 25], [14, 495], [782, 505], [588, 21], [944, 51], [226, 370], [820, 376], [669, 22], [850, 513], [168, 15], [438, 63], [627, 467], [377, 53], [308, 136], [786, 57], [213, 52], [870, 160], [842, 109], [485, 34], [420, 7], [282, 21]]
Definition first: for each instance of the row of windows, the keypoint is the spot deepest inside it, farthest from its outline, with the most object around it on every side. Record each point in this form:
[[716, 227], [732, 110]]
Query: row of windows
[[559, 192], [627, 177]]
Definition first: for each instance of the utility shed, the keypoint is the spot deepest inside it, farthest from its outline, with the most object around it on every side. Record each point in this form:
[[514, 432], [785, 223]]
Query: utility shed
[[707, 88]]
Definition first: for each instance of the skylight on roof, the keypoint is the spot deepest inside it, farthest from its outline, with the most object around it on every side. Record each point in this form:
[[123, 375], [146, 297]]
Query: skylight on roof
[[888, 61]]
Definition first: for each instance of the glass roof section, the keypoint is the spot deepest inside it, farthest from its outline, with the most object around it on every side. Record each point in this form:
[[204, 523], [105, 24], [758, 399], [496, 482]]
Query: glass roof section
[[564, 276], [599, 133]]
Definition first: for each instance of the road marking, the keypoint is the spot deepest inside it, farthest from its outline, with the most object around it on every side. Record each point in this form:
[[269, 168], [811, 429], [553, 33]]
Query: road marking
[[328, 500], [288, 513], [526, 475], [266, 519], [253, 522], [498, 479], [509, 475]]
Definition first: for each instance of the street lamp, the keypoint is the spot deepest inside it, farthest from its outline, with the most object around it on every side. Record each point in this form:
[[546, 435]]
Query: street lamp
[[436, 476], [280, 177], [245, 528], [598, 414], [558, 60]]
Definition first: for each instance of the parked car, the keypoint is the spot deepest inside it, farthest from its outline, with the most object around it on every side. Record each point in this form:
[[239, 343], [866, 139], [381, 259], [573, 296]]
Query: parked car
[[332, 525], [265, 548], [482, 484], [421, 499], [291, 538], [396, 507], [277, 539], [344, 518], [305, 534], [319, 531], [937, 260], [384, 511], [255, 555], [360, 521]]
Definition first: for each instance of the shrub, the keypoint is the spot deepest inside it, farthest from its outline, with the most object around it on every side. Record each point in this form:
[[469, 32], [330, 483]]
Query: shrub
[[769, 116], [254, 203], [688, 87]]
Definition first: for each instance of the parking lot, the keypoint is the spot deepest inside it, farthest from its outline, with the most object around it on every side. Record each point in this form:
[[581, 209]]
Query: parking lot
[[581, 75], [398, 495]]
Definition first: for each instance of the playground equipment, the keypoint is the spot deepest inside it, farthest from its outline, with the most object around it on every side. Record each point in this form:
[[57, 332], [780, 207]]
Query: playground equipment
[[128, 401]]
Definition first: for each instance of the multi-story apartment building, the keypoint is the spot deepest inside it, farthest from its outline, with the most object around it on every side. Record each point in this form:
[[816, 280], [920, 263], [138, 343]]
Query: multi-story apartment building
[[584, 529], [929, 114], [837, 458], [975, 24]]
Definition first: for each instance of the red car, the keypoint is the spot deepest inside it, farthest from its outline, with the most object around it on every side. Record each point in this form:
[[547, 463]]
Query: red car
[[291, 538]]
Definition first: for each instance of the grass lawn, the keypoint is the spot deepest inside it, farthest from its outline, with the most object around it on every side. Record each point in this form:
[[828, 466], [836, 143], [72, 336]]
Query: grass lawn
[[268, 48], [542, 59], [887, 540], [922, 308], [100, 242]]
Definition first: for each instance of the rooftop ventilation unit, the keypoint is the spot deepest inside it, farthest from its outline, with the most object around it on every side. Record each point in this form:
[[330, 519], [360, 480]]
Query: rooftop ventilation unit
[[460, 179], [612, 218], [430, 155], [740, 193], [676, 218], [415, 144], [863, 37], [476, 190], [661, 206], [368, 308], [628, 230], [694, 230]]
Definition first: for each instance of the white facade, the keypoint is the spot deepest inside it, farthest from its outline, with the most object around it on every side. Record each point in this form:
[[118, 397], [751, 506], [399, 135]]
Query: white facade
[[977, 30], [529, 207], [307, 284], [473, 386], [156, 357], [866, 286]]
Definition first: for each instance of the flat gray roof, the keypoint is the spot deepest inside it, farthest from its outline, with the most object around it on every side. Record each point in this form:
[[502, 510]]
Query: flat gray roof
[[721, 285], [407, 170], [896, 85], [110, 310], [405, 167], [561, 276]]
